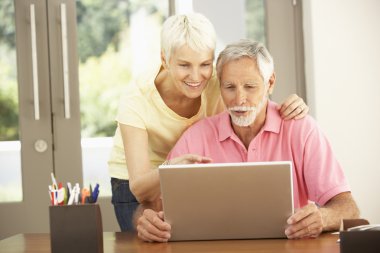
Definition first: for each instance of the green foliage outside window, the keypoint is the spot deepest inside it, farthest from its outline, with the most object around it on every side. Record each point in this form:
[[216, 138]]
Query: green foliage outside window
[[8, 83], [255, 20]]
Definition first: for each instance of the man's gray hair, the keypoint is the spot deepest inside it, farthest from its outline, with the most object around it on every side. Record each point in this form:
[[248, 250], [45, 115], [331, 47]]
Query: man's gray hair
[[193, 30], [247, 48]]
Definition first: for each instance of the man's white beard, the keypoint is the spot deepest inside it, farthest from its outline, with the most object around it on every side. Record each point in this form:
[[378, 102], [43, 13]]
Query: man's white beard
[[244, 121]]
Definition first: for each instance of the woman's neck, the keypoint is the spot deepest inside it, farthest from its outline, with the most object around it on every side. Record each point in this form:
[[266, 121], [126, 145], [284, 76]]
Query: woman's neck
[[174, 99]]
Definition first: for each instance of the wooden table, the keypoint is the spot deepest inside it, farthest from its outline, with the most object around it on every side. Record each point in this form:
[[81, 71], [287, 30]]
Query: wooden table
[[129, 243]]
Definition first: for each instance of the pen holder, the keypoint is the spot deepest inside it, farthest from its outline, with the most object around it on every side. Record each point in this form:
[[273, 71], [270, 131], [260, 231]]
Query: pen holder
[[358, 241], [76, 228]]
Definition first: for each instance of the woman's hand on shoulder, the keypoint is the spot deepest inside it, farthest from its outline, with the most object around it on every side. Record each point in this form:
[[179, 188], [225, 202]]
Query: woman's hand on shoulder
[[293, 108]]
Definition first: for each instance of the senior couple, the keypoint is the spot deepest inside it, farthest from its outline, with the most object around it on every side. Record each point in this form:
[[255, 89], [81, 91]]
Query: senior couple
[[251, 129]]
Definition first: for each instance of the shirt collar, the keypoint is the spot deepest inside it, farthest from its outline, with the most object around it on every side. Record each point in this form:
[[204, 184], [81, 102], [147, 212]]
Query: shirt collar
[[272, 122]]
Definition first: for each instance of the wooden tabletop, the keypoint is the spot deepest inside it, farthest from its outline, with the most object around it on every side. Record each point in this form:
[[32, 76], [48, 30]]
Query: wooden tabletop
[[127, 242]]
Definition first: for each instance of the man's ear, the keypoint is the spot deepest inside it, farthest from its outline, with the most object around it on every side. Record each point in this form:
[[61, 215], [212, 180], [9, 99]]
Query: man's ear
[[271, 82], [163, 60]]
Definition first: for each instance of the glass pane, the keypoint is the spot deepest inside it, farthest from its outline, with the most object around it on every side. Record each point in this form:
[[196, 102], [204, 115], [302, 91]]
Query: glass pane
[[255, 20], [10, 160], [115, 39]]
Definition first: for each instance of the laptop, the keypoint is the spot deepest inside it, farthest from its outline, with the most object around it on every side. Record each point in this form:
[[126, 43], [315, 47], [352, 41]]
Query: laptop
[[227, 200]]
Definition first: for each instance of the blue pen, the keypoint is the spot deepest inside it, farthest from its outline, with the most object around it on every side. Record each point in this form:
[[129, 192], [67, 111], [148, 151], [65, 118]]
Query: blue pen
[[95, 193]]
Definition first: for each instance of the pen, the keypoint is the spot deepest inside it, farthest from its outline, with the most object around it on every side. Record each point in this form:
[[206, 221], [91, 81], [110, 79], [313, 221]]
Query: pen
[[68, 192], [71, 198], [95, 194], [85, 194], [55, 185], [77, 191], [51, 194]]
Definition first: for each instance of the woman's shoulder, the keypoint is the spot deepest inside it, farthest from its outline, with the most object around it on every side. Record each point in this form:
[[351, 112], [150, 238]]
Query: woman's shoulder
[[142, 88]]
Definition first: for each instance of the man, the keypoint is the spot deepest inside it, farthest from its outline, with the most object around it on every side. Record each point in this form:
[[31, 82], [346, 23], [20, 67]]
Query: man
[[252, 130]]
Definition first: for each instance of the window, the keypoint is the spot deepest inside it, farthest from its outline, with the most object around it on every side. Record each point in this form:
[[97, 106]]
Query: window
[[10, 169], [116, 39], [255, 20]]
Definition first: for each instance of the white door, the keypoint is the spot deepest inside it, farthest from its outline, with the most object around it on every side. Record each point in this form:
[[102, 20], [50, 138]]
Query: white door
[[47, 132]]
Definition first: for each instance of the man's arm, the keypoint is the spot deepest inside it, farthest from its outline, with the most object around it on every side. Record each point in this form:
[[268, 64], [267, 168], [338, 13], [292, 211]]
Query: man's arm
[[310, 220]]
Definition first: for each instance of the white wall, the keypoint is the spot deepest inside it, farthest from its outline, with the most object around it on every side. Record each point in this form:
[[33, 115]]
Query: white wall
[[342, 55]]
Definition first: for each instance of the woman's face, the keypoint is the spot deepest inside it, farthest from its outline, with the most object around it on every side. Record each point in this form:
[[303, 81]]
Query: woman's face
[[190, 70]]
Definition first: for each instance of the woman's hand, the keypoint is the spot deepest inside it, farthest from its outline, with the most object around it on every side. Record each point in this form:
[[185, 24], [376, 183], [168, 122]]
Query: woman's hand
[[293, 108], [188, 159]]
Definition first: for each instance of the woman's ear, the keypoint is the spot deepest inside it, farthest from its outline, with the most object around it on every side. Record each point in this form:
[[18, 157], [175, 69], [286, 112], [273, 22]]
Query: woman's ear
[[163, 60], [271, 82]]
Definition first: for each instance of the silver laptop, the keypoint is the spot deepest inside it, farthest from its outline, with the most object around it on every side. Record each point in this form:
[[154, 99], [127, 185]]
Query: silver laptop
[[227, 200]]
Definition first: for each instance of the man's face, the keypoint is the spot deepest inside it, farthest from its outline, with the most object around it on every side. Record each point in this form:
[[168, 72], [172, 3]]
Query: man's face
[[190, 70], [243, 91]]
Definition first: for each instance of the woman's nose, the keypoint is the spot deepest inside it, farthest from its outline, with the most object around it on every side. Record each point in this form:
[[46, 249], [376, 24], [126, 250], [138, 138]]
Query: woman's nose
[[195, 74]]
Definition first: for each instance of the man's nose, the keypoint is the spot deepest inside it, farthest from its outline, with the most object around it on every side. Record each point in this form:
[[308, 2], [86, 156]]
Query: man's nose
[[241, 97]]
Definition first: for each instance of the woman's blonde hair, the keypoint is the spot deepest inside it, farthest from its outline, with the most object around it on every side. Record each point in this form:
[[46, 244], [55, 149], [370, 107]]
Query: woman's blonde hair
[[193, 30]]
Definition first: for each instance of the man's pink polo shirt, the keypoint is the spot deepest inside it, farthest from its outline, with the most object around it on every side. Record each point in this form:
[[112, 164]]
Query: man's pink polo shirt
[[317, 175]]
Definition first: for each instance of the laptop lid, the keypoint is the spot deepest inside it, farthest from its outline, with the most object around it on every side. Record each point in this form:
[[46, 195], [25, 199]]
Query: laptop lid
[[227, 200]]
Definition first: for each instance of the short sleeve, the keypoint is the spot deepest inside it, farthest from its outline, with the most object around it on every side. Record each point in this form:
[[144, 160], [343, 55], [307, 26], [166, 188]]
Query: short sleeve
[[324, 175], [132, 108]]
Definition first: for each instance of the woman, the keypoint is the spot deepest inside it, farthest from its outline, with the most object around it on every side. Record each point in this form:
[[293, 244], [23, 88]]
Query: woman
[[161, 106]]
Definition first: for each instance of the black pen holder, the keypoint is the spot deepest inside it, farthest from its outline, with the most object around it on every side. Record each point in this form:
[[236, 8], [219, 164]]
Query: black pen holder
[[76, 228], [359, 241], [366, 241]]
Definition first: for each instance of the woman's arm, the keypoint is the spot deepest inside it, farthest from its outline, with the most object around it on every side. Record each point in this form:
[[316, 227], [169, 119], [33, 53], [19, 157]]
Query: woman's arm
[[143, 178]]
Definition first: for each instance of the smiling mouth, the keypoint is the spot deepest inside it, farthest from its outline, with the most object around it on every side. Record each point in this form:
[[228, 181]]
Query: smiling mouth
[[193, 84]]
